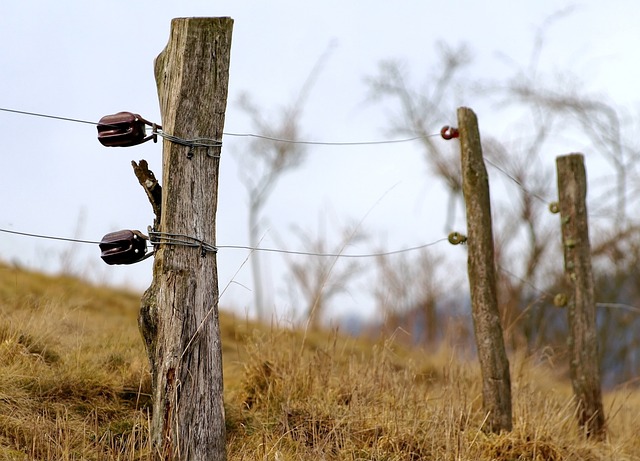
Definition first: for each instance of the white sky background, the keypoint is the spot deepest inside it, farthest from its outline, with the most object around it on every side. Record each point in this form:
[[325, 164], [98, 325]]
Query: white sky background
[[84, 60]]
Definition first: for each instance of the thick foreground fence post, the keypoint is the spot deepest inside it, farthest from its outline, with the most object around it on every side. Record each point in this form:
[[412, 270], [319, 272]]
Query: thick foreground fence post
[[583, 340], [496, 380], [179, 313]]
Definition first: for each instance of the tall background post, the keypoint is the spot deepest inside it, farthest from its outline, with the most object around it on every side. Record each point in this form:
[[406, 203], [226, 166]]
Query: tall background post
[[179, 312], [496, 380], [583, 339]]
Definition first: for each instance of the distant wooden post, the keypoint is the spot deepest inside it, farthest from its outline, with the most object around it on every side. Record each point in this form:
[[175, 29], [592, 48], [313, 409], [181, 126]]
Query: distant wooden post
[[583, 340], [496, 380], [179, 313]]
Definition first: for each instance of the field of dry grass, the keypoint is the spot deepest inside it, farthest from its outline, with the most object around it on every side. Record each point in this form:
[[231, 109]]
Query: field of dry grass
[[74, 386]]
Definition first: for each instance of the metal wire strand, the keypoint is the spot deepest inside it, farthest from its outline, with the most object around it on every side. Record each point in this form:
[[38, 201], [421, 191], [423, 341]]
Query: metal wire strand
[[49, 237], [197, 142], [329, 143], [169, 238], [55, 117], [206, 142], [332, 255], [158, 238]]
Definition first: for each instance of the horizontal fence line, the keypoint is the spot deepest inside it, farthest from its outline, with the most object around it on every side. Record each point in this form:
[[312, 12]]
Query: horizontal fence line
[[250, 248], [245, 135], [307, 142], [545, 293], [516, 181], [331, 143]]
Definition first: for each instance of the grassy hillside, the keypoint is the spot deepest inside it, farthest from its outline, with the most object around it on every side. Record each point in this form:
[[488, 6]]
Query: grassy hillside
[[74, 386]]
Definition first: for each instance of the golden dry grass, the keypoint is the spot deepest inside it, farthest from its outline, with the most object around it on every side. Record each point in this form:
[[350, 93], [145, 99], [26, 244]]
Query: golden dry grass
[[74, 386]]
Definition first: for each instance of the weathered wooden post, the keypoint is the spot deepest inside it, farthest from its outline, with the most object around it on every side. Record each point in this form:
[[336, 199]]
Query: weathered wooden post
[[496, 380], [179, 313], [583, 339]]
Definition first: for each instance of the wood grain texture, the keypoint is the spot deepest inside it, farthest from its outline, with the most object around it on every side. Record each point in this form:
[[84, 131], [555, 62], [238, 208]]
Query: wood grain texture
[[583, 339], [496, 380], [179, 313]]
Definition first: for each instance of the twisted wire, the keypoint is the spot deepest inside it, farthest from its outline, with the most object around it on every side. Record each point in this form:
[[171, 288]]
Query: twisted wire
[[197, 142], [181, 240]]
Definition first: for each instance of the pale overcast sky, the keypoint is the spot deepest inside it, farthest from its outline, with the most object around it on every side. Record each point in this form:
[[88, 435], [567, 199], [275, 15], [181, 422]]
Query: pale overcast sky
[[83, 60]]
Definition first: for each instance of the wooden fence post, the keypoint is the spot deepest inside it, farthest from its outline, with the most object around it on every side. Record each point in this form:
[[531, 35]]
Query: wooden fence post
[[496, 380], [583, 340], [179, 312]]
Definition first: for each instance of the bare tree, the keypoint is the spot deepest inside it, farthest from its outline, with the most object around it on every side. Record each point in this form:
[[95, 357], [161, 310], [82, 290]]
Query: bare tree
[[525, 232], [560, 106], [524, 227], [424, 108], [265, 162], [409, 291], [274, 152], [322, 277]]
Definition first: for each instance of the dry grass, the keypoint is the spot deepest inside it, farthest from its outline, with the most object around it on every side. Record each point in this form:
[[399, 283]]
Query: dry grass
[[342, 400], [74, 386], [73, 383]]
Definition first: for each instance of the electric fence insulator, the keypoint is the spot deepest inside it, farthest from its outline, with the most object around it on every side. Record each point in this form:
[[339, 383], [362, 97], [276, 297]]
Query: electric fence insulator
[[447, 132], [125, 129], [123, 247], [456, 238]]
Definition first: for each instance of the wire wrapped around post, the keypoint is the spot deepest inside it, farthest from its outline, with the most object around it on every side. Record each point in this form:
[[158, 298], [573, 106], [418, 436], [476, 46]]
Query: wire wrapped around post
[[167, 238]]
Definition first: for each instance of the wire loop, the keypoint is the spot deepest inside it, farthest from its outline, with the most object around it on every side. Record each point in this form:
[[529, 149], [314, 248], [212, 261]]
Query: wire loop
[[456, 238], [448, 132]]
